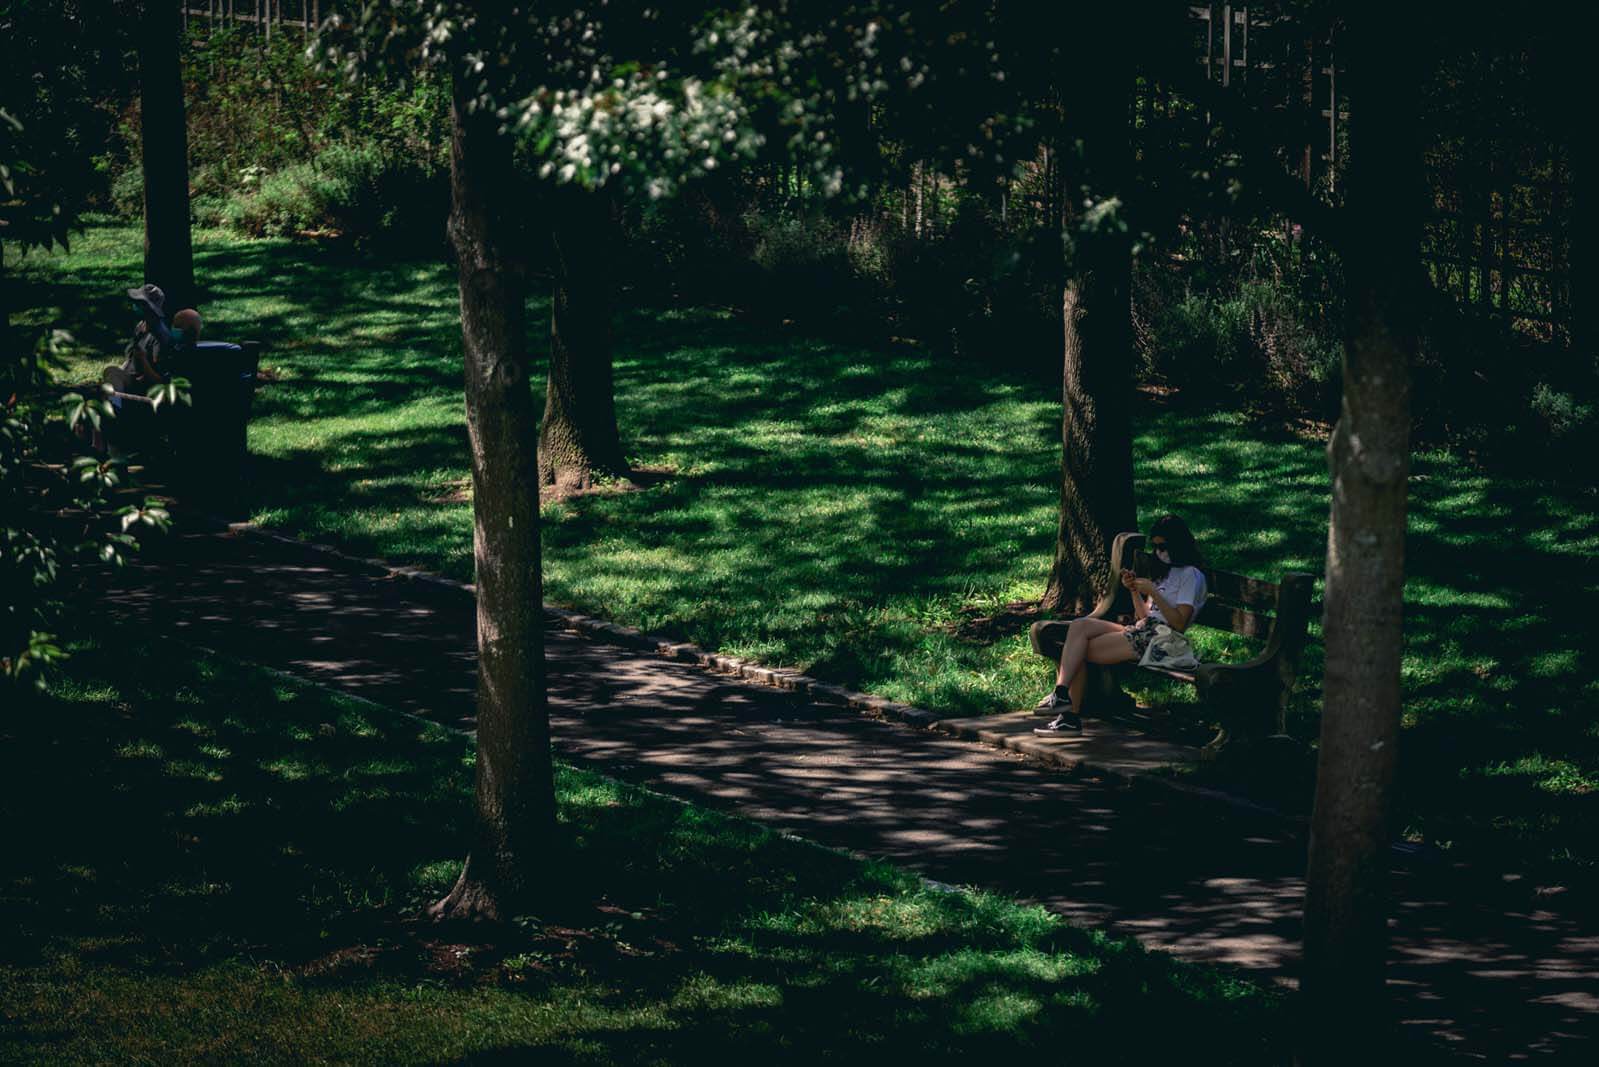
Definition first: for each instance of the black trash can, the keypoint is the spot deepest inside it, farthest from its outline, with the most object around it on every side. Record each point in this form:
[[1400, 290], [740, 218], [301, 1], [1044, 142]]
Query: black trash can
[[212, 436]]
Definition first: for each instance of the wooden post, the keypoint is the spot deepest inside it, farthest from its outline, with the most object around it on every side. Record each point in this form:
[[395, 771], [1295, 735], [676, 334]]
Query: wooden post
[[1486, 238], [1226, 45], [1310, 102], [1506, 264], [1210, 44], [1332, 113], [905, 210], [916, 183], [1049, 187], [1243, 20]]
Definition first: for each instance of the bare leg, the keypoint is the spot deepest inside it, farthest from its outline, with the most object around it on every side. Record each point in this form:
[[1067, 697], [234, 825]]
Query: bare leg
[[1106, 649], [1078, 635]]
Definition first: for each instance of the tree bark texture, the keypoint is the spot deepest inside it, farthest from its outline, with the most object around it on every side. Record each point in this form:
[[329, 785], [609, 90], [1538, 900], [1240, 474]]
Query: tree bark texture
[[578, 438], [1369, 460], [164, 140], [1096, 491], [515, 811]]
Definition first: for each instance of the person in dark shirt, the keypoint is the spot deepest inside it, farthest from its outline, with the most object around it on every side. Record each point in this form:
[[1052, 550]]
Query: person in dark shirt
[[152, 339]]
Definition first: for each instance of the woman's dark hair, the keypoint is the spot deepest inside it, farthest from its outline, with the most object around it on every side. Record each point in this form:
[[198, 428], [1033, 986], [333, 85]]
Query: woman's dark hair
[[1179, 541]]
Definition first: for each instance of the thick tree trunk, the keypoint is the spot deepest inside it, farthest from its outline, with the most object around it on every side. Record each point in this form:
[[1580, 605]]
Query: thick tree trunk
[[515, 824], [1096, 491], [578, 438], [1369, 457], [168, 254]]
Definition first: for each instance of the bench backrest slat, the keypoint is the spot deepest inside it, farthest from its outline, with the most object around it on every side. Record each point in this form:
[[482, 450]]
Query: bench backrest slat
[[1239, 589], [1242, 590], [1234, 602], [1221, 616]]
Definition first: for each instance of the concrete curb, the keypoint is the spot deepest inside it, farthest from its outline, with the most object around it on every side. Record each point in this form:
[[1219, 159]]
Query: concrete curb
[[615, 633], [813, 689], [1063, 757], [586, 765]]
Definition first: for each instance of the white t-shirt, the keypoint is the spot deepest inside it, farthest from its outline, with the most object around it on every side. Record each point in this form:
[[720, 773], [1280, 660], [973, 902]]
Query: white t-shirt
[[1182, 585]]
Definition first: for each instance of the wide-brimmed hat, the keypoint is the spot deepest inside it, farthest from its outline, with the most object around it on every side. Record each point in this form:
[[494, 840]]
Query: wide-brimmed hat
[[151, 296]]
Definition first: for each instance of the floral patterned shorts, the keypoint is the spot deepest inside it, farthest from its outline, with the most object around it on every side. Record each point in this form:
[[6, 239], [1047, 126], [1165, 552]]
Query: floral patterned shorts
[[1140, 634]]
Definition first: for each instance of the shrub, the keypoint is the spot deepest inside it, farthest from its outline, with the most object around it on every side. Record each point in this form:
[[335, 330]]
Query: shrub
[[354, 189], [803, 262], [208, 210], [1299, 355], [127, 192], [1567, 421], [1200, 344], [1259, 337], [273, 205]]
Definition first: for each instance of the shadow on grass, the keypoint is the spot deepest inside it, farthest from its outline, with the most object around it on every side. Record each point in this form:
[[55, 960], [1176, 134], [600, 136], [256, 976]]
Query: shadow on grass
[[840, 509], [1497, 751], [212, 863]]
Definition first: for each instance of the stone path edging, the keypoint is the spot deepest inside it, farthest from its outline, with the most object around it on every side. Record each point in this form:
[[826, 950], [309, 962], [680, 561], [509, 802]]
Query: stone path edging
[[876, 707], [384, 709]]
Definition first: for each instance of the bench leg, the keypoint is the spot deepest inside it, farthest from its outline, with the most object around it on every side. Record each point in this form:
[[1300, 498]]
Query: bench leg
[[1247, 706], [1102, 692]]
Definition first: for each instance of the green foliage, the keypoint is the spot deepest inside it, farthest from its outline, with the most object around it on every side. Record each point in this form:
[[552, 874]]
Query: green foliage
[[63, 60], [1569, 421], [1261, 332], [221, 878], [357, 189], [855, 509], [276, 148], [54, 503], [127, 193]]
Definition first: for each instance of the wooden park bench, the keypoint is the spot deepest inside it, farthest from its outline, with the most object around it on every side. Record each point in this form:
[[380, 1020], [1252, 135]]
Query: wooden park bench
[[1247, 699], [208, 440]]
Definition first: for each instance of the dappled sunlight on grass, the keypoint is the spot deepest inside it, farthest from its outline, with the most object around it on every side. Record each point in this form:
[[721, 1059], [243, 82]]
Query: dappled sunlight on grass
[[266, 911], [843, 510]]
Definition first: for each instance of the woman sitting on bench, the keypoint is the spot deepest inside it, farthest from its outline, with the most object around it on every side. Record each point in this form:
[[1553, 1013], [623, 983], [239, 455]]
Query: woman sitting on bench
[[1172, 599]]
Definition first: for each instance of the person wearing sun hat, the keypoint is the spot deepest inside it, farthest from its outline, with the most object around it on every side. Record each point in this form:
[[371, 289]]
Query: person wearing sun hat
[[152, 337]]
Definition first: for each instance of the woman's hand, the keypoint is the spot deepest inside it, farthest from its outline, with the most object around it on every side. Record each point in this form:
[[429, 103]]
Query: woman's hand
[[1143, 587], [1127, 578]]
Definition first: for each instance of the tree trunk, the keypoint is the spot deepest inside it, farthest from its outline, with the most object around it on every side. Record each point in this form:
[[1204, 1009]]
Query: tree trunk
[[515, 821], [168, 255], [578, 438], [1096, 489], [1369, 458]]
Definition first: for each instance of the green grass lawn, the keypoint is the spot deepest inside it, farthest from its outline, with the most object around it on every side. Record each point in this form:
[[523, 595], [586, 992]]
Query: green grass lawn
[[206, 863], [845, 510]]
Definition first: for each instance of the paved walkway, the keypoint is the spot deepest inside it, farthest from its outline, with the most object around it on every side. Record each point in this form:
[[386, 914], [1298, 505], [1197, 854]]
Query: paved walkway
[[1478, 963]]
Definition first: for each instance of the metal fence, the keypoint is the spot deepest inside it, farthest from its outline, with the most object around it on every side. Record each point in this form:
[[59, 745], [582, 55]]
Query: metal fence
[[1498, 216], [264, 17]]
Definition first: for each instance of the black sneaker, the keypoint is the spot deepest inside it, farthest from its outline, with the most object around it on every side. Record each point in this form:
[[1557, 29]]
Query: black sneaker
[[1066, 722]]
